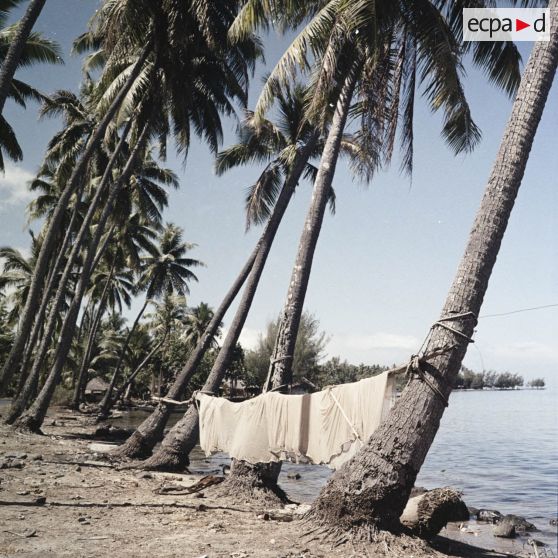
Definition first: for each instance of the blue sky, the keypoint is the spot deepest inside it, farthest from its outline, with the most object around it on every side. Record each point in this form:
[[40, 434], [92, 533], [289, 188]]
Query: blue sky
[[385, 261]]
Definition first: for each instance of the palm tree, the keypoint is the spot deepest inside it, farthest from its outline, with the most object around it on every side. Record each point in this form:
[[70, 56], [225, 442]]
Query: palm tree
[[16, 276], [196, 323], [34, 416], [371, 490], [19, 47], [379, 53], [111, 288], [20, 36], [53, 228], [164, 271], [287, 149], [201, 79]]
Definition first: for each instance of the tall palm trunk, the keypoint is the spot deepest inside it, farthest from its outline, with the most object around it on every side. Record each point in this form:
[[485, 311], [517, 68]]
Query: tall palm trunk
[[38, 325], [373, 487], [61, 292], [175, 449], [33, 418], [106, 403], [15, 51], [282, 358], [11, 365], [82, 376]]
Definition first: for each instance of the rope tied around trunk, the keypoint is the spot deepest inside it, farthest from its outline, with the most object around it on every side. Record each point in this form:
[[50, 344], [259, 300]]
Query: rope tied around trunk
[[416, 363], [188, 402]]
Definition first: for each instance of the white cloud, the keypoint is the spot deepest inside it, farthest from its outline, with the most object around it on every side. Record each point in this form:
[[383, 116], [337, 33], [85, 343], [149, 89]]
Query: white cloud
[[248, 338], [380, 340], [13, 186]]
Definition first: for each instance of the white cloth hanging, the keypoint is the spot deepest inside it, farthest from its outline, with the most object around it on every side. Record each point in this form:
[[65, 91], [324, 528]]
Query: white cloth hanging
[[326, 427]]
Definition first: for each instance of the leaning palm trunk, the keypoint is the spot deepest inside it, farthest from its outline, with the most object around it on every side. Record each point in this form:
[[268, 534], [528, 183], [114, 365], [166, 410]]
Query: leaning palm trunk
[[371, 490], [33, 418], [82, 376], [282, 358], [175, 449], [61, 292], [15, 51], [107, 403], [38, 325], [11, 365], [150, 431]]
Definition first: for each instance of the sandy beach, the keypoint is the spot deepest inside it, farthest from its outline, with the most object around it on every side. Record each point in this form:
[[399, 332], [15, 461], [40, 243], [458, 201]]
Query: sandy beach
[[66, 500]]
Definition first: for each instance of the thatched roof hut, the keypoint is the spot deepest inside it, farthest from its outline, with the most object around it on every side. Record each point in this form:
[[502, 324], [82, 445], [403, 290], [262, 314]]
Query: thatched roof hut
[[96, 386]]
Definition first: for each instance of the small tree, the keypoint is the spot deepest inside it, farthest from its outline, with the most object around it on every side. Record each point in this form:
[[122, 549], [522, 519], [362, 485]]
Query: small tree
[[309, 350], [537, 383]]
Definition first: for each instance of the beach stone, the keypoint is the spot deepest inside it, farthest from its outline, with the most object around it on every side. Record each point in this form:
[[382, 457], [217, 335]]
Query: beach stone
[[504, 530], [16, 455], [427, 514], [490, 516], [11, 464], [520, 523], [35, 457], [145, 475]]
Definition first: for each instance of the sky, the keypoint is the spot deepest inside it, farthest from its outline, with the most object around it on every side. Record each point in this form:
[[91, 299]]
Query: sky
[[385, 260]]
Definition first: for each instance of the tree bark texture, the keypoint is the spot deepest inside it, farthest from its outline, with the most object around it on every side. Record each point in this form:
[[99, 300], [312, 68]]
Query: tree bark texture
[[371, 490], [281, 362], [15, 50], [53, 229], [179, 442]]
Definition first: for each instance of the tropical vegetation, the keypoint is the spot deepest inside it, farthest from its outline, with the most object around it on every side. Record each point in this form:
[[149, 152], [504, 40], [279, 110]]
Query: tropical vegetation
[[101, 297]]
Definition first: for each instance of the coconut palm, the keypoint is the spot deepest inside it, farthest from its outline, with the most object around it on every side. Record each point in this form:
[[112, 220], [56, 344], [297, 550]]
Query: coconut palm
[[165, 270], [377, 53], [111, 288], [34, 416], [286, 148], [53, 230], [196, 322], [19, 47], [16, 276], [14, 55], [385, 469], [200, 83]]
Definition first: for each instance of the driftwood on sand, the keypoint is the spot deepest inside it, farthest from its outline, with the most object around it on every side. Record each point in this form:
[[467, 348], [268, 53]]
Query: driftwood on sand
[[428, 513]]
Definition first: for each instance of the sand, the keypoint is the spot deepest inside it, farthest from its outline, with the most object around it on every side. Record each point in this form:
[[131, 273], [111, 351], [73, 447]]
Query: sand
[[96, 510]]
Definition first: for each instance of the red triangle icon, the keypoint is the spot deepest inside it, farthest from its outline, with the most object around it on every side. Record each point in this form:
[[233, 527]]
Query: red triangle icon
[[520, 25]]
